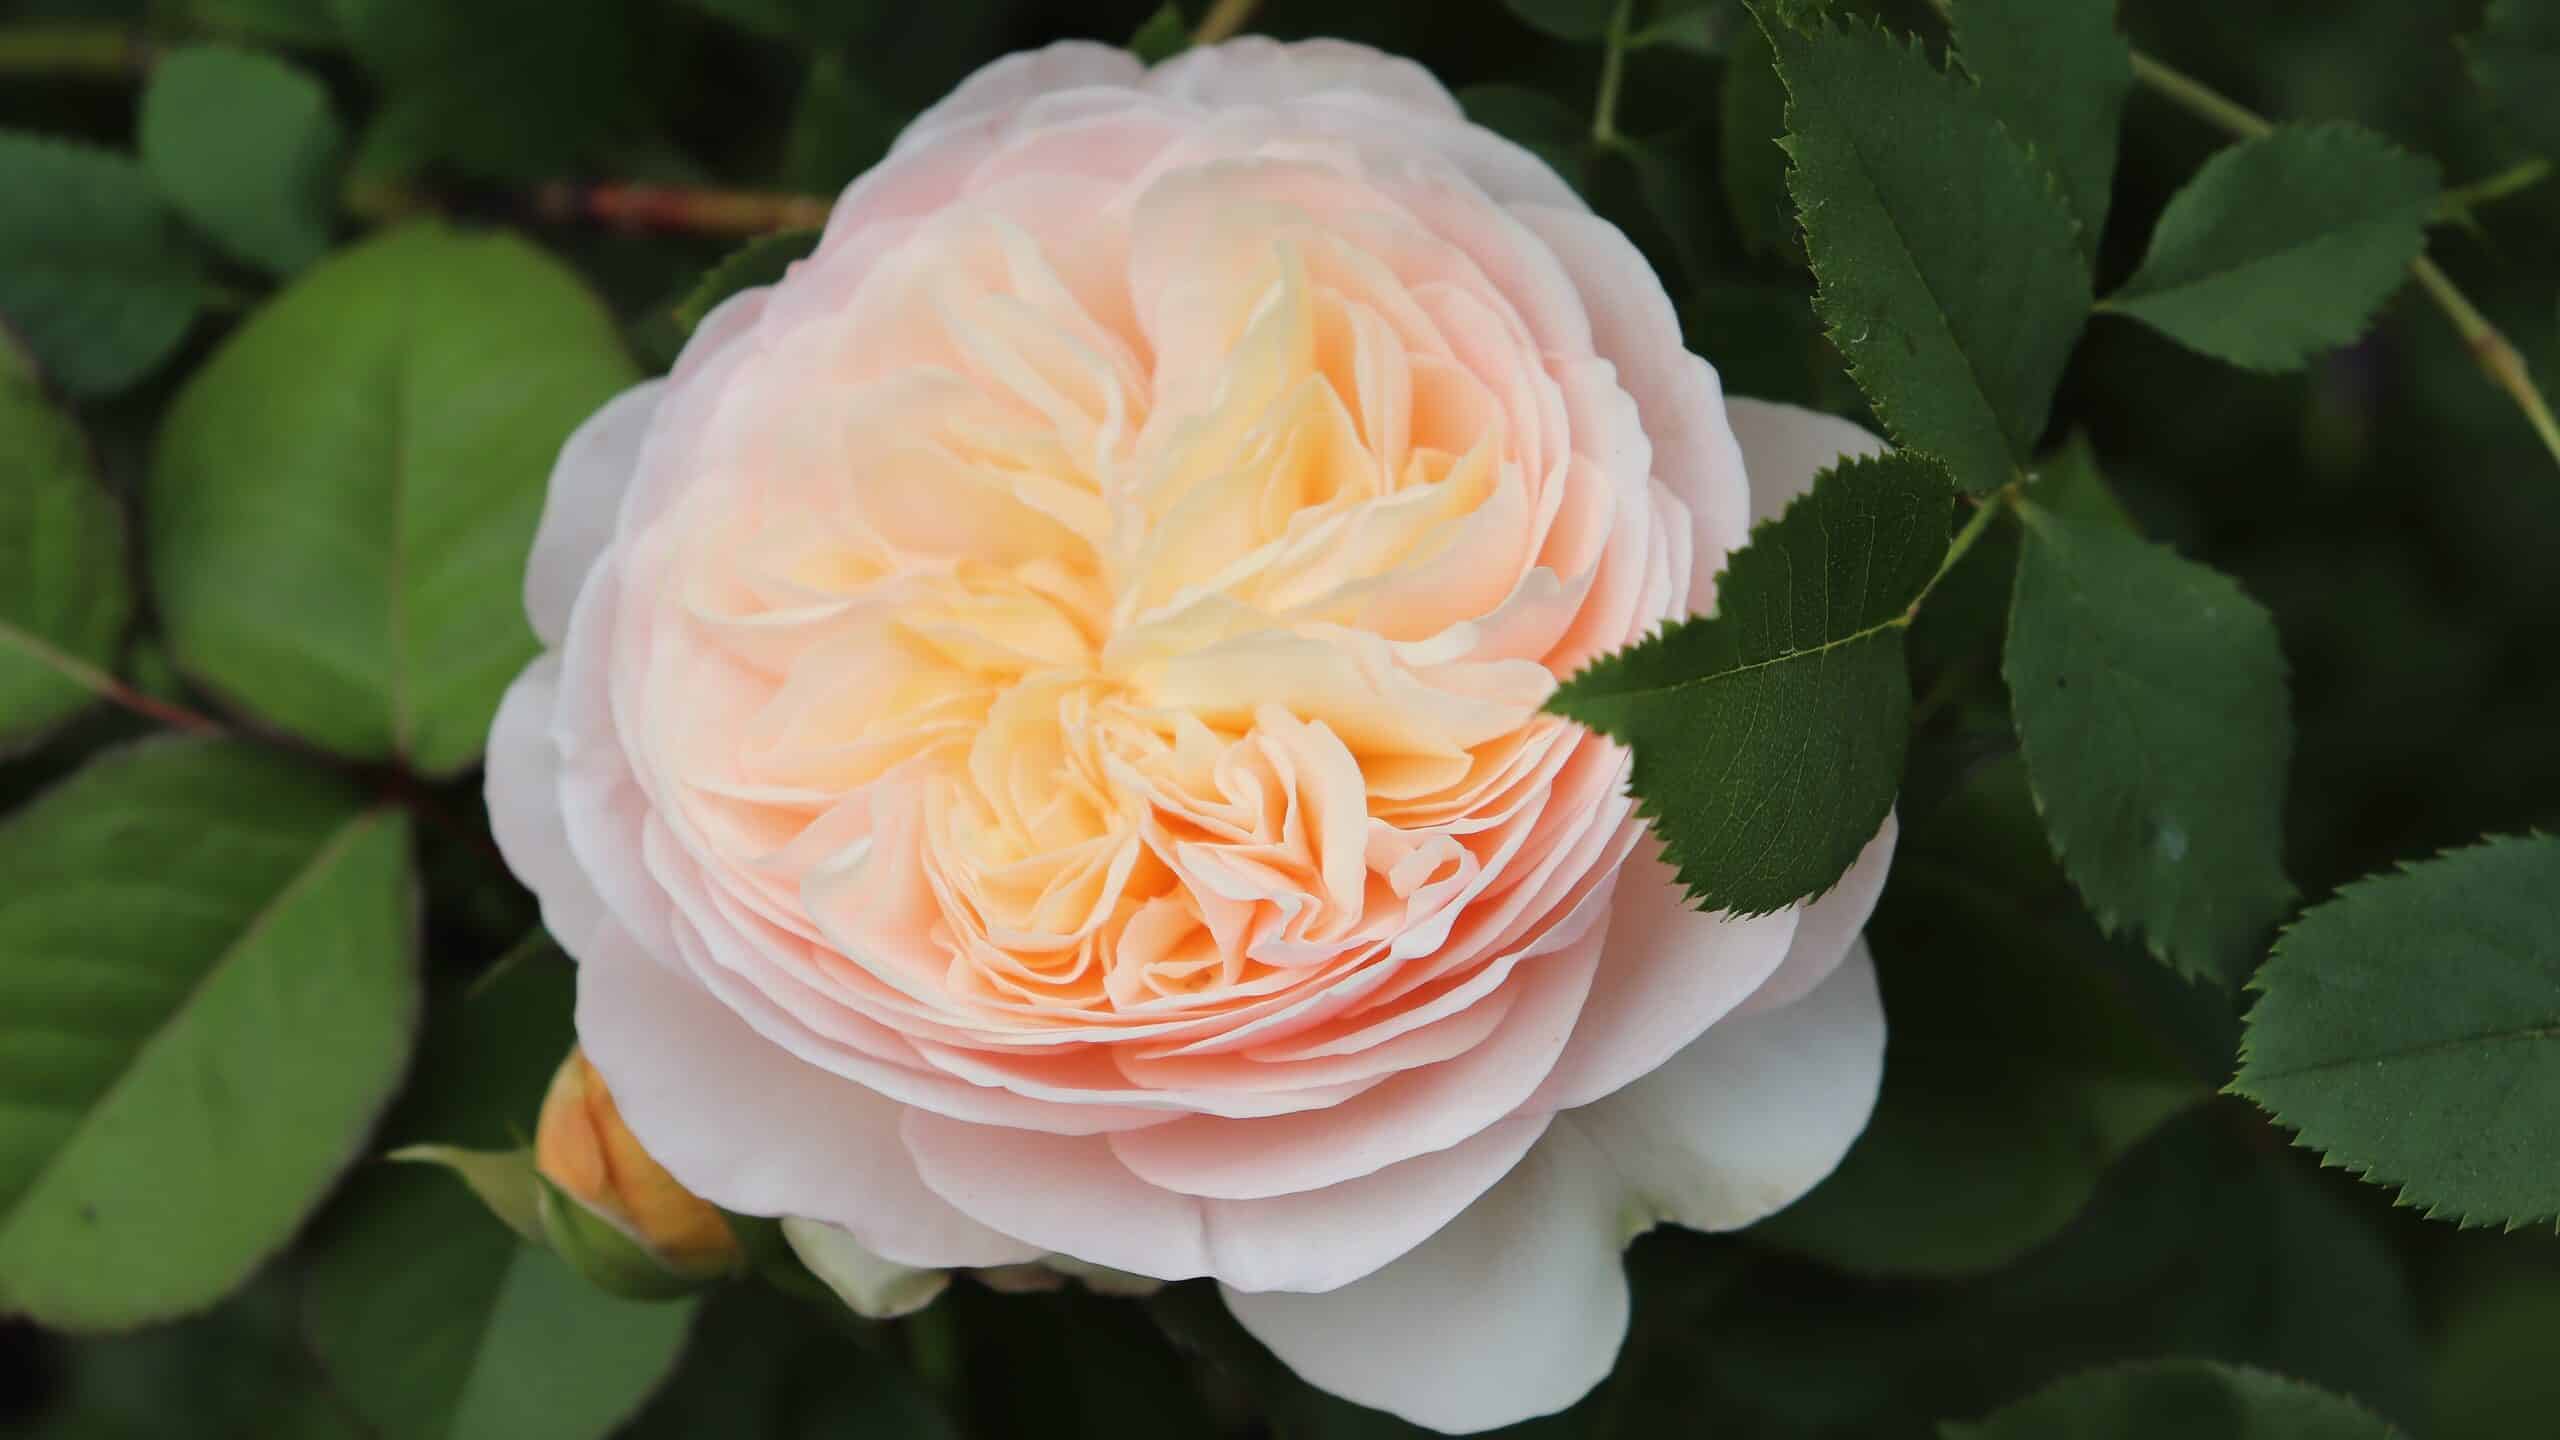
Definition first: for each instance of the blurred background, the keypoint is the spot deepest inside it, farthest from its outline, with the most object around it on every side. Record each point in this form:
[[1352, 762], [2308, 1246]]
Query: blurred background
[[2051, 1182]]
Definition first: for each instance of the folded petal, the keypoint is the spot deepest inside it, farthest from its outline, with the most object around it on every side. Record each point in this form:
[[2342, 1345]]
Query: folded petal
[[1829, 925], [870, 1286], [1753, 1113], [596, 466], [523, 790], [1515, 1309], [1010, 82], [1257, 70]]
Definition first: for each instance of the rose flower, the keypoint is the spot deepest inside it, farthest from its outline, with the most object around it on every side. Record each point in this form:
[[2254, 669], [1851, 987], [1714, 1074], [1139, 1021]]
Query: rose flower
[[1041, 750]]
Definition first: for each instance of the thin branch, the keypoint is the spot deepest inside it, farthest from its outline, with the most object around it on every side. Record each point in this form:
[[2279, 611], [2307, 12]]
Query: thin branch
[[2461, 200], [1225, 20], [96, 51], [2498, 357], [106, 686], [1613, 69], [662, 209]]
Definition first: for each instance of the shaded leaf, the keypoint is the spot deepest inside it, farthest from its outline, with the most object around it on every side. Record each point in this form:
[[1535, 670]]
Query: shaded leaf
[[245, 147], [2515, 57], [379, 435], [64, 600], [1566, 19], [1751, 132], [1956, 317], [207, 989], [839, 128], [94, 272], [2284, 246], [2409, 1030], [1769, 736], [2056, 73], [1164, 35], [2191, 1399], [761, 261], [501, 88], [2149, 697]]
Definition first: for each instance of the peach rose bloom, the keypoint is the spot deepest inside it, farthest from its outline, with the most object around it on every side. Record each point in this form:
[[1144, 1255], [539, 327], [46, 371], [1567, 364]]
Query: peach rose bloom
[[1040, 750]]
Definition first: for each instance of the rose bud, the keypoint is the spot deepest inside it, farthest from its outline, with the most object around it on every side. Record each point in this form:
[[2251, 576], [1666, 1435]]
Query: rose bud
[[611, 1210]]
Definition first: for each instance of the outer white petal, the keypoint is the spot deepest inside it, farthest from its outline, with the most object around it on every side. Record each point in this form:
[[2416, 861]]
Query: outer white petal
[[1005, 84], [739, 1121], [595, 468], [1257, 70], [523, 791], [1785, 446], [1667, 972], [1515, 1309], [1827, 928], [870, 1286], [1751, 1115]]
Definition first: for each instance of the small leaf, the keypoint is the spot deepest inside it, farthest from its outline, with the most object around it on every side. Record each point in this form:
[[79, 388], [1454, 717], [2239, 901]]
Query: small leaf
[[2516, 59], [1164, 35], [378, 436], [207, 994], [2149, 697], [1956, 317], [2056, 73], [94, 271], [2190, 1399], [64, 601], [761, 261], [1769, 736], [245, 147], [2409, 1030], [2284, 246]]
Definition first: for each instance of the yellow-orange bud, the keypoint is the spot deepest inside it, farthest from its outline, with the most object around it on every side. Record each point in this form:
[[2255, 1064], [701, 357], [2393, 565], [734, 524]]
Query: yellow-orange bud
[[581, 1145]]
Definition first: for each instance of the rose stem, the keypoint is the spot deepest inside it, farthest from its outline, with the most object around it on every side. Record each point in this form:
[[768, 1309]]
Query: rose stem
[[73, 48], [2498, 357], [1226, 19], [1613, 66]]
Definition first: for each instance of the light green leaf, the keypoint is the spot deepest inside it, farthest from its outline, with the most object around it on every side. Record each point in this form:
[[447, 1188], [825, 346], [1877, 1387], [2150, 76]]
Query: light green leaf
[[1769, 736], [2284, 246], [207, 994], [2016, 1057], [760, 261], [2149, 697], [2056, 73], [1164, 35], [64, 602], [377, 439], [2190, 1399], [1956, 317], [433, 1319], [94, 271], [2516, 58], [2409, 1030], [245, 146]]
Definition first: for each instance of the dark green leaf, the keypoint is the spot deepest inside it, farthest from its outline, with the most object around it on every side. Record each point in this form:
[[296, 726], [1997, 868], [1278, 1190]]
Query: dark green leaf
[[839, 128], [2190, 1399], [1566, 19], [1751, 129], [286, 22], [245, 147], [2500, 1308], [207, 989], [814, 24], [2056, 73], [2149, 695], [64, 600], [760, 261], [94, 271], [379, 435], [502, 88], [2409, 1030], [236, 1373], [2515, 57], [2284, 246], [1164, 35], [2015, 1059], [1769, 736], [1956, 316]]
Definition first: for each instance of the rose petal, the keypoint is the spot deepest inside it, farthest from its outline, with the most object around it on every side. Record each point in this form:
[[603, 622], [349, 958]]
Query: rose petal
[[872, 1287], [1257, 70], [523, 790], [1516, 1309], [595, 468], [1828, 926], [1785, 446], [1017, 79]]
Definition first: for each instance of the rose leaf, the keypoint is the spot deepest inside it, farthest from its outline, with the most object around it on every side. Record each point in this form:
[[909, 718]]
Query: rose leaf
[[1769, 736], [2409, 1030], [245, 147], [95, 272], [760, 261], [2192, 1399], [343, 497], [208, 989], [2056, 73], [2516, 59], [1956, 317], [2283, 246], [2149, 699], [63, 597]]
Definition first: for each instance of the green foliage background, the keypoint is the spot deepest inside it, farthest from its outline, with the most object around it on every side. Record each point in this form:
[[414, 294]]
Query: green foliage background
[[2053, 1182]]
